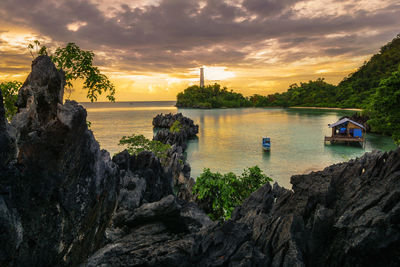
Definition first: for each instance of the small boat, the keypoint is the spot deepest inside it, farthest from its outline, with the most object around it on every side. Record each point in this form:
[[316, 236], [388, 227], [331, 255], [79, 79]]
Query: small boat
[[266, 143]]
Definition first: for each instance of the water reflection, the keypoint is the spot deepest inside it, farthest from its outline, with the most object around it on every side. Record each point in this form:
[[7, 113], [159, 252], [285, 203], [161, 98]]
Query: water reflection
[[266, 155], [230, 139]]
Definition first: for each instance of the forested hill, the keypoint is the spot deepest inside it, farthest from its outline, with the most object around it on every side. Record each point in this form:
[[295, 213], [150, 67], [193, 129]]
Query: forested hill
[[357, 88], [355, 91]]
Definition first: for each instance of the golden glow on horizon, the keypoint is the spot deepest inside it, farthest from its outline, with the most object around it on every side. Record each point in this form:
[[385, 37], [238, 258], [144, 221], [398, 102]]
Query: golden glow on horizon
[[152, 49], [153, 85]]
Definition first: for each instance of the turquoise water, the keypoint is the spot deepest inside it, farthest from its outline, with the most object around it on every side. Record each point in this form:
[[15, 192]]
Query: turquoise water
[[230, 139]]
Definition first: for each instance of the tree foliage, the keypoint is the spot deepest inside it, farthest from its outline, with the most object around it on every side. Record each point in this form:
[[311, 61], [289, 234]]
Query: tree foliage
[[223, 192], [176, 127], [9, 91], [35, 49], [210, 96], [354, 91], [384, 110], [137, 143], [357, 89], [316, 93], [78, 64]]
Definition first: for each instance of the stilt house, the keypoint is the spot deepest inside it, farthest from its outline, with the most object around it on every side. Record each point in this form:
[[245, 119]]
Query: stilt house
[[346, 130]]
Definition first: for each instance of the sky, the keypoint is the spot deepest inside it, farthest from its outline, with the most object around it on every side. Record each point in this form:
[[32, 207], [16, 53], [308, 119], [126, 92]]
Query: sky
[[152, 49]]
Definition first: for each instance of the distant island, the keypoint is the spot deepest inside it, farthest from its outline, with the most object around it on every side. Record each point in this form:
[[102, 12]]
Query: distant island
[[374, 87], [210, 96]]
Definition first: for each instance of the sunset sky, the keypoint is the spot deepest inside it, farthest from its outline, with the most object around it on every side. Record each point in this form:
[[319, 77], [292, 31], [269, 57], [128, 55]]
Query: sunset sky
[[152, 49]]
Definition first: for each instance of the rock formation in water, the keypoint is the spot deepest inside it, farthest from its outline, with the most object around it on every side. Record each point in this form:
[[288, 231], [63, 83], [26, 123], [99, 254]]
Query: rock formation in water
[[62, 199], [179, 138], [175, 162], [58, 189]]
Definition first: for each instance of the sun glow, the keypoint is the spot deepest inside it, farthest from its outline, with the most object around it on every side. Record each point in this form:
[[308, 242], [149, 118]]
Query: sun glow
[[214, 73], [75, 26], [15, 41]]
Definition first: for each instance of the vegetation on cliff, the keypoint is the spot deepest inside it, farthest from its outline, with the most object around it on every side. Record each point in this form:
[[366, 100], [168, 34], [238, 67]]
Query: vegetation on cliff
[[354, 91], [137, 143], [384, 109], [223, 192], [76, 63], [10, 95], [176, 127]]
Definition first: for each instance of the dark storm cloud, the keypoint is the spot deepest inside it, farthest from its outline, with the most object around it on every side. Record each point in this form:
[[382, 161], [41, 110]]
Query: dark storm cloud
[[183, 33]]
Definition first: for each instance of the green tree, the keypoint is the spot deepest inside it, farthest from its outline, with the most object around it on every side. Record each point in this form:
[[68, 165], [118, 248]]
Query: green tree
[[384, 110], [223, 192], [137, 143], [10, 94], [76, 63], [358, 88], [36, 49], [211, 96]]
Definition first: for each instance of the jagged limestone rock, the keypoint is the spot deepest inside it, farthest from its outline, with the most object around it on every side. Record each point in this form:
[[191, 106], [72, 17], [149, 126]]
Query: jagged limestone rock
[[61, 189]]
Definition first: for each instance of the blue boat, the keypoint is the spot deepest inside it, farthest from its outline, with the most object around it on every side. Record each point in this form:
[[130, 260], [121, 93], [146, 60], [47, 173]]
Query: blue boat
[[266, 143]]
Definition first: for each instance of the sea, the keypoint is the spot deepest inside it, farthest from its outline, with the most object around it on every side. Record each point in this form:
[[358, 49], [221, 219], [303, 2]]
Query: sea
[[229, 140]]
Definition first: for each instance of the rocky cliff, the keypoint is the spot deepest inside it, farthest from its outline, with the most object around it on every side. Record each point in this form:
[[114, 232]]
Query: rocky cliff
[[187, 129], [58, 189], [346, 215], [151, 226]]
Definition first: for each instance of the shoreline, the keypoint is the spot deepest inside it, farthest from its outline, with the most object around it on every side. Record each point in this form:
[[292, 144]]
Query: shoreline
[[324, 108], [350, 109]]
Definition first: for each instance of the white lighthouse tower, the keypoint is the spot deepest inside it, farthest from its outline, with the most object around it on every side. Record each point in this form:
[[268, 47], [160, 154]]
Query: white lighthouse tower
[[202, 77]]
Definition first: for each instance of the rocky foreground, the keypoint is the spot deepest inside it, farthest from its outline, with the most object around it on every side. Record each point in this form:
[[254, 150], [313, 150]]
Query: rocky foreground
[[64, 202]]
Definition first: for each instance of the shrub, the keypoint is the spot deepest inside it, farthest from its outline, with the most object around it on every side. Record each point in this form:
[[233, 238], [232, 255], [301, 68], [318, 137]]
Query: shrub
[[223, 192], [138, 143], [9, 91], [175, 127]]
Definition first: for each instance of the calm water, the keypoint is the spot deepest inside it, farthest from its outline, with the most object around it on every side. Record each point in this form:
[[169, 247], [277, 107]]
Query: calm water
[[230, 139]]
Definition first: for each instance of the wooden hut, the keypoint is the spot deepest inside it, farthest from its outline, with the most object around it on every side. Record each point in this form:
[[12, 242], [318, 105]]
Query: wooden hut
[[346, 130]]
